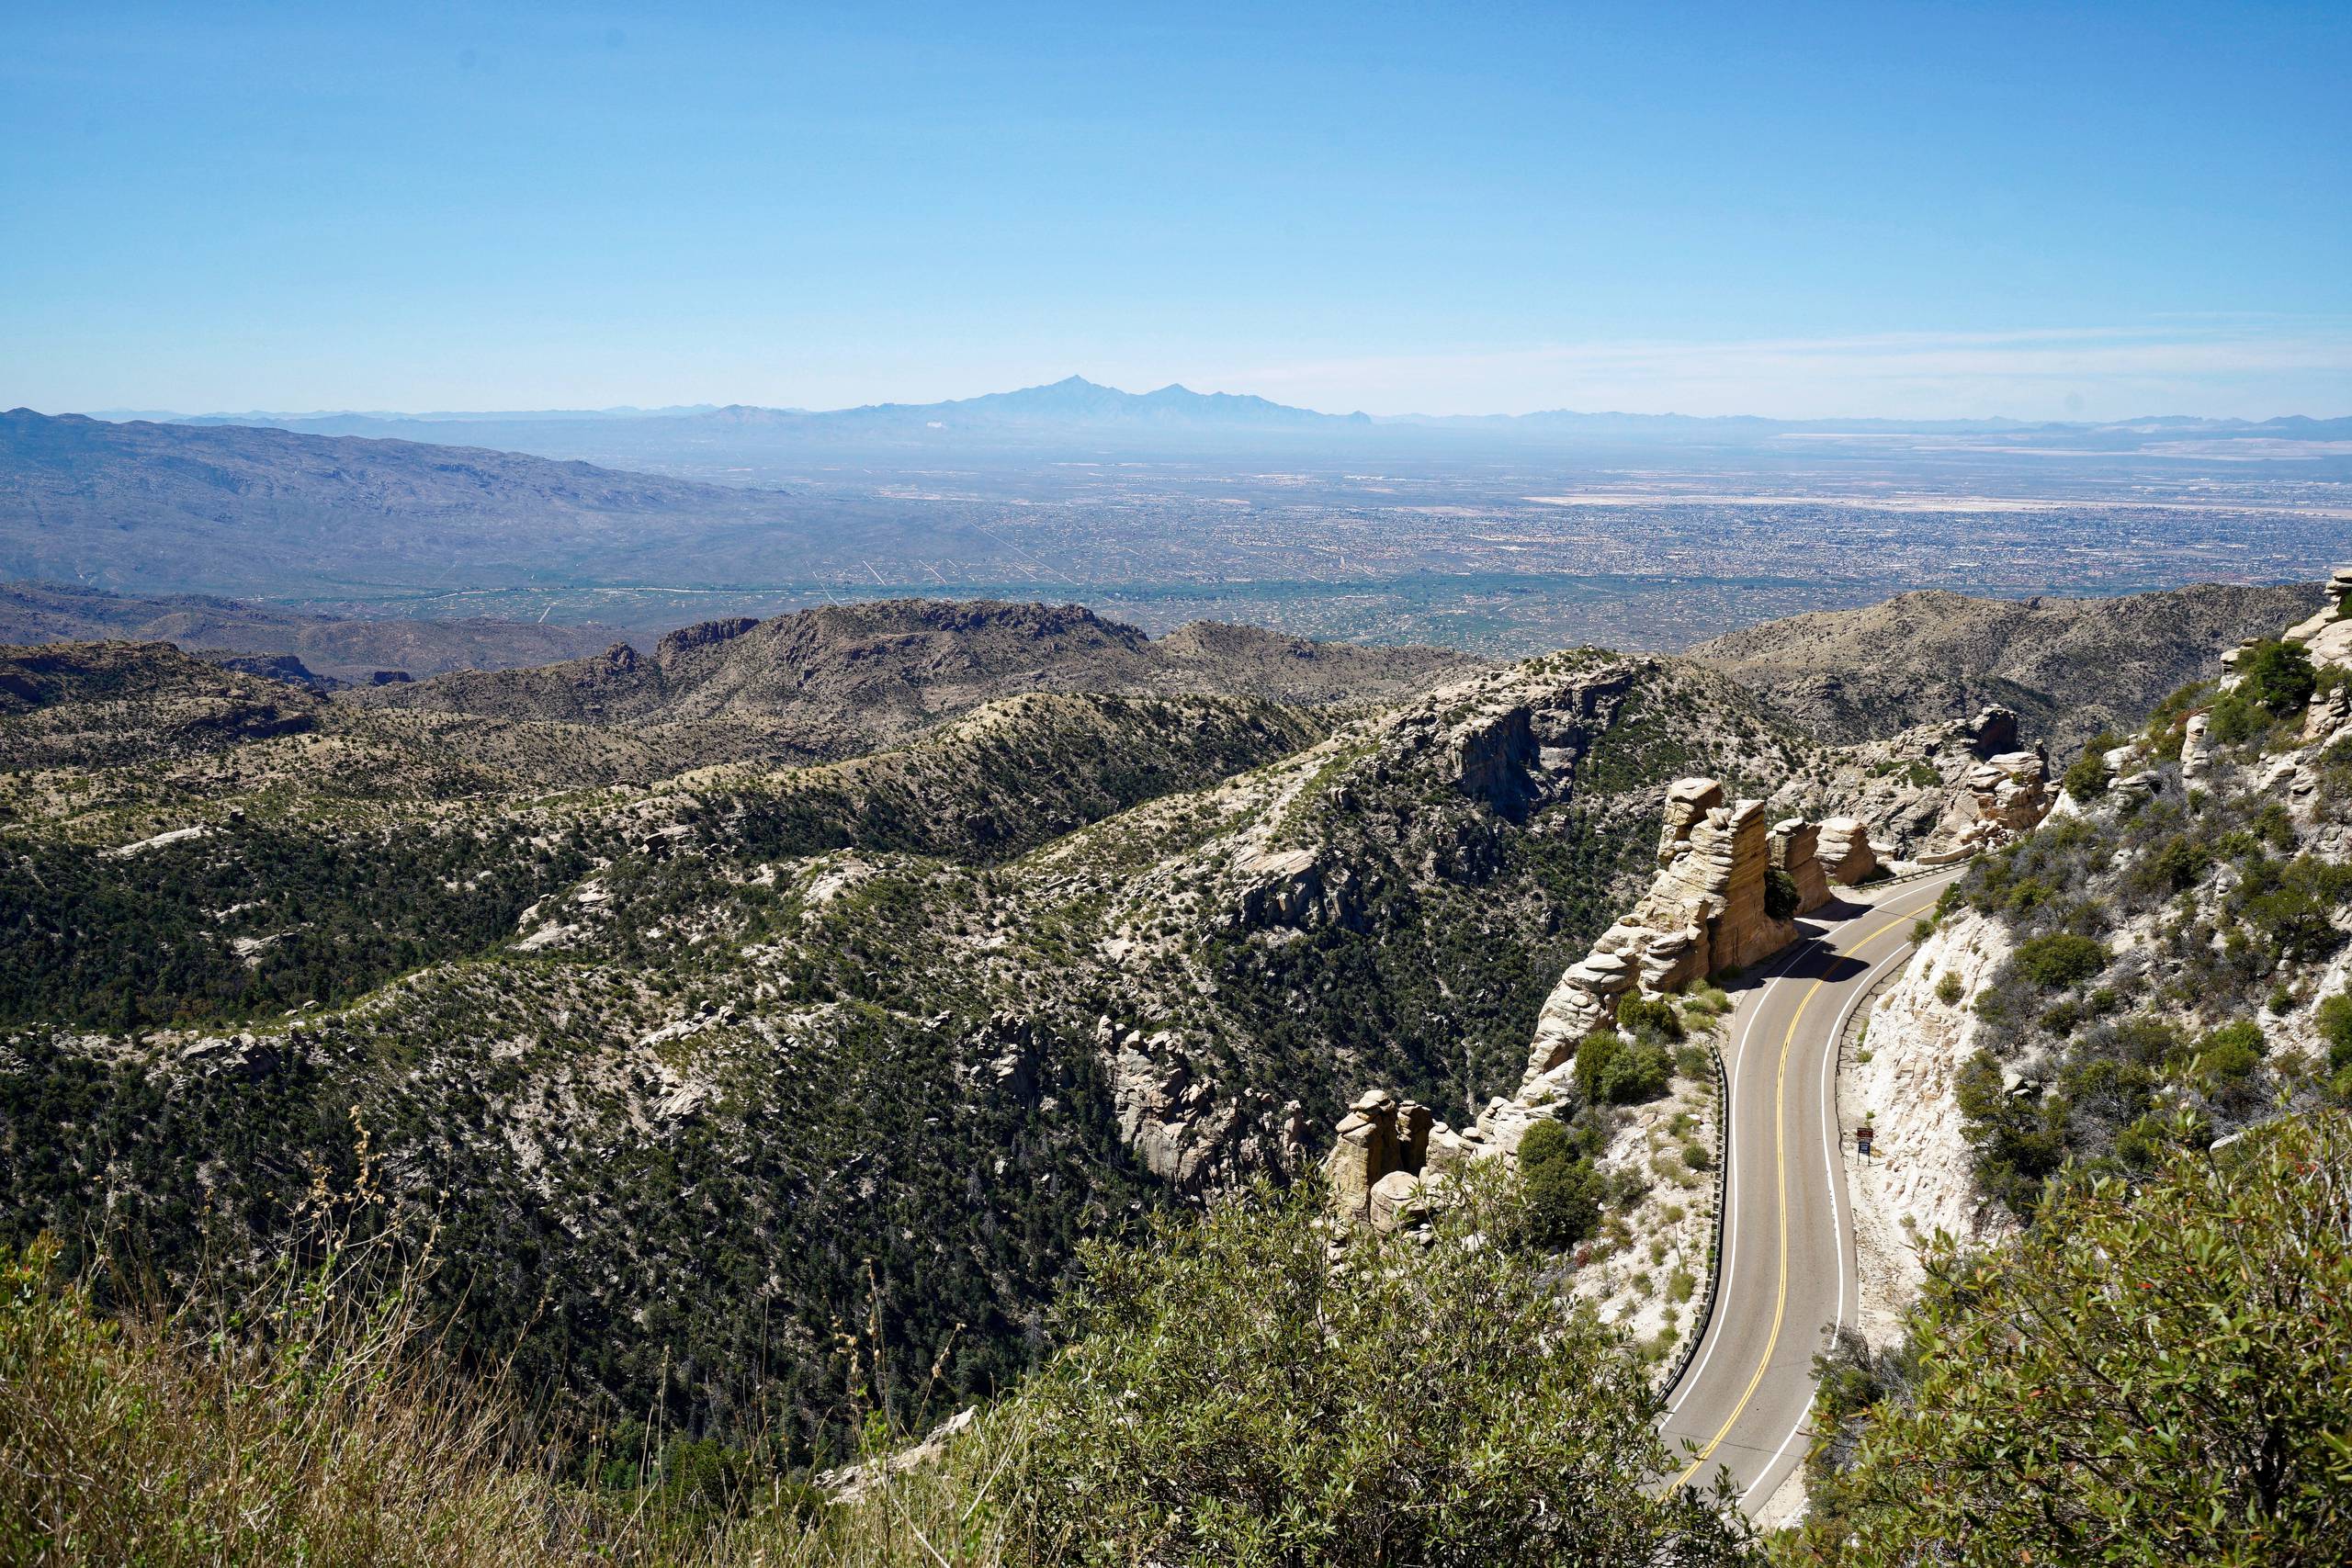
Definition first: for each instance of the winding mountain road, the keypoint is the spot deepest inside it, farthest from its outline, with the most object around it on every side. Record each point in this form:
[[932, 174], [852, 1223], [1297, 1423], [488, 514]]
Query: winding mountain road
[[1744, 1403]]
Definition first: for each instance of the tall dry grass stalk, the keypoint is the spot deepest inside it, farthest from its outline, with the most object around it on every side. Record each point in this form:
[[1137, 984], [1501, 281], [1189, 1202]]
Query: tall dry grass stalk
[[317, 1418]]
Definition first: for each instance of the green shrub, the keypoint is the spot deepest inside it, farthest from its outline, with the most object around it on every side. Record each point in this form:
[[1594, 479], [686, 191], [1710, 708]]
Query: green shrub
[[2175, 867], [1227, 1396], [1640, 1072], [1641, 1017], [1612, 1070], [1594, 1053], [1698, 1156], [1781, 896], [1560, 1201], [2145, 1379], [2279, 675], [2060, 959], [2333, 1018], [1947, 987], [2086, 779], [2291, 905], [2233, 1051], [1544, 1142], [2235, 718]]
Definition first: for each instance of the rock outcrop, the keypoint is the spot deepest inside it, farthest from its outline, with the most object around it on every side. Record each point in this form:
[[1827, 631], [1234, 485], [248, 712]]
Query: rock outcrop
[[2006, 795], [2327, 637], [1376, 1163], [1796, 853], [1844, 851], [1706, 911], [1929, 794]]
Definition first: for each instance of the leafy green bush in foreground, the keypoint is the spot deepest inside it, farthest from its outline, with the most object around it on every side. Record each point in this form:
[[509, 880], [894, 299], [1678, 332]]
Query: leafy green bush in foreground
[[2150, 1378], [1228, 1397]]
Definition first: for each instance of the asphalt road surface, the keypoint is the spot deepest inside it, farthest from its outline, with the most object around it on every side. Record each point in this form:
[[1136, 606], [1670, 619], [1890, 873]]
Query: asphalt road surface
[[1788, 1251]]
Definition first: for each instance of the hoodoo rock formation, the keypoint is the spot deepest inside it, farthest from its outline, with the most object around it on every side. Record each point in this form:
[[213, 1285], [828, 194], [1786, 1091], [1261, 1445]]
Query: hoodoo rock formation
[[1387, 1149], [1844, 849], [1707, 911]]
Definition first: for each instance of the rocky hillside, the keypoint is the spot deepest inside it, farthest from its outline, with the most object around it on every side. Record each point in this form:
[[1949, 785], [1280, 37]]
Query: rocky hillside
[[2164, 960], [2070, 668], [680, 1059], [100, 704], [701, 1067], [839, 681]]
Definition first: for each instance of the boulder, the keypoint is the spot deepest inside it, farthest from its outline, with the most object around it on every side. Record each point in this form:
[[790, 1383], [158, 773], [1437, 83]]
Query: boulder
[[2195, 756], [1395, 1200], [1378, 1140], [1844, 851]]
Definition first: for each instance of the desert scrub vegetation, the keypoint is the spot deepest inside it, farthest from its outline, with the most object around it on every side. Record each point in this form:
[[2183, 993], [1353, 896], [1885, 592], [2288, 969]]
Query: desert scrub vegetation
[[1227, 1395], [2148, 936], [1222, 1393], [257, 917], [2151, 1376]]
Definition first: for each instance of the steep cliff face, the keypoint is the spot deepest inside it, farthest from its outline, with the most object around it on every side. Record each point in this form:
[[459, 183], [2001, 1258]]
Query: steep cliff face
[[1900, 1077]]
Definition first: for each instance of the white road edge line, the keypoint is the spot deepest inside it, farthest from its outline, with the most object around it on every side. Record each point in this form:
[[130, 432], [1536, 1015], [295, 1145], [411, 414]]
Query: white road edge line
[[1731, 1184], [1829, 1177]]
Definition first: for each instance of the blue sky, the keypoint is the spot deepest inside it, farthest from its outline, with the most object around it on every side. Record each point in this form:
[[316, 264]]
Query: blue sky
[[1884, 208]]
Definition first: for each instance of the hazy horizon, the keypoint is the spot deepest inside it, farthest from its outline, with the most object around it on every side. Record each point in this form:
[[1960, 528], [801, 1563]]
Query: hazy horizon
[[712, 405]]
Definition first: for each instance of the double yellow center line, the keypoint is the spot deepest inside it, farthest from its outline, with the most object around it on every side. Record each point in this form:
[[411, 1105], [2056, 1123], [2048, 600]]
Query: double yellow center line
[[1780, 1163]]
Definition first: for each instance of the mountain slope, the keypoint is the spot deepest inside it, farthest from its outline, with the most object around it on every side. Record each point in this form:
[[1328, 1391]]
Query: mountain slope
[[673, 1068], [2069, 667], [833, 681], [335, 646], [247, 510]]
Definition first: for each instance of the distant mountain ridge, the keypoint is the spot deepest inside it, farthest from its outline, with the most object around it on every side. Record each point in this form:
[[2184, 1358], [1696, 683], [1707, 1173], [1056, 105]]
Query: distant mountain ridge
[[342, 647], [839, 680], [1075, 402], [261, 511]]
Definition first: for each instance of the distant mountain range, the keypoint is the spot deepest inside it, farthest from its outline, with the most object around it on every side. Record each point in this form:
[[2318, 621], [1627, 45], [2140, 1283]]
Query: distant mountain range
[[338, 646], [263, 512], [1076, 405]]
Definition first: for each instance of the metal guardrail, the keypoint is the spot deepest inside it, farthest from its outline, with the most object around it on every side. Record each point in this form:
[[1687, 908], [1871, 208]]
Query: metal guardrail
[[1683, 1357], [1714, 1243]]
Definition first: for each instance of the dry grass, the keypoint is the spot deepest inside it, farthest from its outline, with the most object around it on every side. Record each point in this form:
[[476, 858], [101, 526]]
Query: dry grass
[[317, 1420]]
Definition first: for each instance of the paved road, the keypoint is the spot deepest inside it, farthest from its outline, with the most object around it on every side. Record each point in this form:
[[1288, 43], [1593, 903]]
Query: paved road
[[1788, 1266]]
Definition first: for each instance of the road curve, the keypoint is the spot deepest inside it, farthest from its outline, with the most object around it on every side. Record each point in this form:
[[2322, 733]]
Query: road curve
[[1744, 1403]]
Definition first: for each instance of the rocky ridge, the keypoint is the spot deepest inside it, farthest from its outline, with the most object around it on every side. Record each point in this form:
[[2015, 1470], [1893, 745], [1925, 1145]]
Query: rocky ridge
[[2070, 668], [822, 684]]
